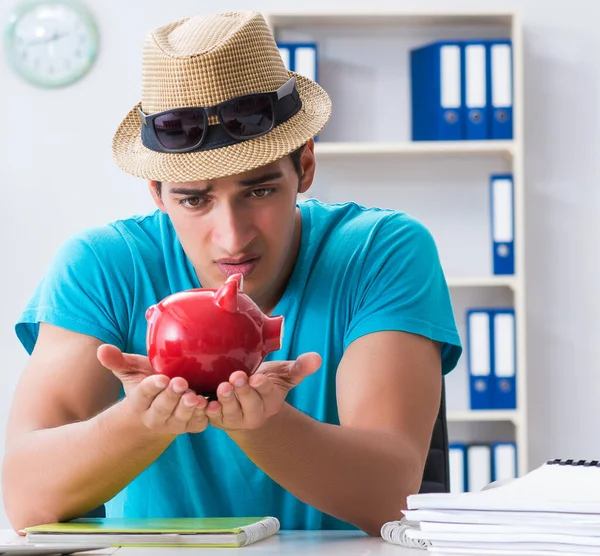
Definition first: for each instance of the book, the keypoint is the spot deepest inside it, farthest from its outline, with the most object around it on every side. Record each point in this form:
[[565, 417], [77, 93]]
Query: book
[[229, 532], [22, 549], [554, 508]]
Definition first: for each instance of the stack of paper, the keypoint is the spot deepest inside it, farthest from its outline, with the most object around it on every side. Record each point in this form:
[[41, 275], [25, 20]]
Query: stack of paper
[[552, 510]]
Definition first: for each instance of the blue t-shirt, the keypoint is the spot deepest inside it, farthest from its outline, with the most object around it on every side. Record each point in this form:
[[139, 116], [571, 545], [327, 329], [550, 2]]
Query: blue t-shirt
[[359, 270]]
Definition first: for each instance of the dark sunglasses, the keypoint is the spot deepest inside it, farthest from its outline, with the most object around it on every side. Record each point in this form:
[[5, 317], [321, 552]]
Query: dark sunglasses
[[186, 129]]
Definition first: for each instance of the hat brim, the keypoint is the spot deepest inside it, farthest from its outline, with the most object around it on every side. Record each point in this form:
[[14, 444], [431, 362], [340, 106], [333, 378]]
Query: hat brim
[[134, 158]]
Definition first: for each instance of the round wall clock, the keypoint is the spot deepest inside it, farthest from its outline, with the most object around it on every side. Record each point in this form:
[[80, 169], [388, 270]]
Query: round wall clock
[[51, 43]]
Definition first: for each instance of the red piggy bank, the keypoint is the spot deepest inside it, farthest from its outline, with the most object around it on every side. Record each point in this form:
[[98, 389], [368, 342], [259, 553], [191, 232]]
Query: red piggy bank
[[204, 335]]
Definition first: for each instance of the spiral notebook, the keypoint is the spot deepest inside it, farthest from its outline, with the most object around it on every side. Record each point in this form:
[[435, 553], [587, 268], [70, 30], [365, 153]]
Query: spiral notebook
[[215, 532], [556, 486], [557, 504]]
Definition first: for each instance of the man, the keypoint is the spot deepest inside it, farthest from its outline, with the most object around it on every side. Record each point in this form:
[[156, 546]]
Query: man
[[334, 429]]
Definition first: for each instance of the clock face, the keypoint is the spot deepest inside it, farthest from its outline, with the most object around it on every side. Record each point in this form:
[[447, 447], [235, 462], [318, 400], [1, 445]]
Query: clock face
[[51, 43]]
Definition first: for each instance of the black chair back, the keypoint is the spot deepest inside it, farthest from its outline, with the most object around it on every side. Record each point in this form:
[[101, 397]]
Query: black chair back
[[436, 476]]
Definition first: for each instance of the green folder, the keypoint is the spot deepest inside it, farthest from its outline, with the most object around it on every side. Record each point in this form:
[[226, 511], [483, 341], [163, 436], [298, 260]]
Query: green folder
[[211, 532]]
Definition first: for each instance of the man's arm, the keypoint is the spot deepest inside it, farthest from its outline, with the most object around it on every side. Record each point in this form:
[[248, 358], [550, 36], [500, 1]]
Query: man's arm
[[388, 391], [69, 447]]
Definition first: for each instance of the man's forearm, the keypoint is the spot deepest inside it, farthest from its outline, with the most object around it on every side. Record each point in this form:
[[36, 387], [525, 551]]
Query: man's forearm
[[359, 476], [64, 472]]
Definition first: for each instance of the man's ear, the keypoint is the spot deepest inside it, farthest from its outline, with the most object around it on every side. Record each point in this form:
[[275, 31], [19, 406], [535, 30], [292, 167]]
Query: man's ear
[[307, 163], [156, 192]]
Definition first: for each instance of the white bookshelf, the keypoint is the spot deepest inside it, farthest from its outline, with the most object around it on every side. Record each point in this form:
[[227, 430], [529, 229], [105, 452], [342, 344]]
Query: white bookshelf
[[340, 148], [480, 416], [483, 282], [330, 149], [384, 18]]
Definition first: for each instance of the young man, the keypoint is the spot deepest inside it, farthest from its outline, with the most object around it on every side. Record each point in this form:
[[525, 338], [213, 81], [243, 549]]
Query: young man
[[334, 429]]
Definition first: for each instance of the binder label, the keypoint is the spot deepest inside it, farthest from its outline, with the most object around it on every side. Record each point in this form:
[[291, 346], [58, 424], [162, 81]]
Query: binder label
[[503, 209], [480, 345], [450, 76], [475, 76], [501, 76], [504, 330]]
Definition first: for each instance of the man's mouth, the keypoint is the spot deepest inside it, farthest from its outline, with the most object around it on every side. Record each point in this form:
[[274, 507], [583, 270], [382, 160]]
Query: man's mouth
[[244, 266]]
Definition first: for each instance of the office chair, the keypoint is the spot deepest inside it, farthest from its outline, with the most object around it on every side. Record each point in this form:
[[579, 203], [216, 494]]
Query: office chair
[[436, 475]]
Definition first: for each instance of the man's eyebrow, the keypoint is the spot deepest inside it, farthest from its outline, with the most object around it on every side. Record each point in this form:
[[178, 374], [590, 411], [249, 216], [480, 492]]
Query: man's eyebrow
[[261, 179], [192, 191]]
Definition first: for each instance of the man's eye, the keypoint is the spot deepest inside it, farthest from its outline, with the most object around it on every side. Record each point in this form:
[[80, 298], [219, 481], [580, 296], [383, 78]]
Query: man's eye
[[262, 192], [192, 202]]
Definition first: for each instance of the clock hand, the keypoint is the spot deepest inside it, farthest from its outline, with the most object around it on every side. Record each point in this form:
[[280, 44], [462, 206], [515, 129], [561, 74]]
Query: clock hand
[[55, 37]]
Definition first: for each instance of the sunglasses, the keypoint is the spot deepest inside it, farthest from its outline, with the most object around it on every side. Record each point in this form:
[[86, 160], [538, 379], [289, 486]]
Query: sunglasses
[[246, 117]]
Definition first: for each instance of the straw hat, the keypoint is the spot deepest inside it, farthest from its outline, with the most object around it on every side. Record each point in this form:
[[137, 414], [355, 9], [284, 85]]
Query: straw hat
[[199, 62]]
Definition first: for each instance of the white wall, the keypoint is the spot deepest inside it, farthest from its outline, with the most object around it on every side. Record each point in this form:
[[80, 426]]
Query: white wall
[[70, 170]]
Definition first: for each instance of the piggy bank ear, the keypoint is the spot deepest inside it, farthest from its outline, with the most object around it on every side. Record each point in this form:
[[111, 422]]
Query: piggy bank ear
[[238, 279], [150, 311], [226, 296]]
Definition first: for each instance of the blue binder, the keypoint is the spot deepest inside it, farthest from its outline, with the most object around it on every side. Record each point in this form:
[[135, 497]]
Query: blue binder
[[504, 359], [500, 88], [504, 461], [300, 57], [502, 210], [479, 358], [474, 90], [436, 92]]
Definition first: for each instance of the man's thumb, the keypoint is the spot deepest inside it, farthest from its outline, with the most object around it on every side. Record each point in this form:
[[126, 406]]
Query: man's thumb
[[112, 358], [306, 364]]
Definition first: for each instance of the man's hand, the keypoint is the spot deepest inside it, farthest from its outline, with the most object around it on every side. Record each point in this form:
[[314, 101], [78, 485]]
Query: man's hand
[[165, 406], [246, 403]]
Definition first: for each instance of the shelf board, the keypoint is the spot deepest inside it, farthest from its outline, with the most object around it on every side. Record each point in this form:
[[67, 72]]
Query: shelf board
[[474, 416], [508, 281], [387, 18], [330, 149]]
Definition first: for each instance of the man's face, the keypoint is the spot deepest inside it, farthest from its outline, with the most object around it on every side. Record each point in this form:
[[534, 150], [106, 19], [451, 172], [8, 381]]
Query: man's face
[[245, 223]]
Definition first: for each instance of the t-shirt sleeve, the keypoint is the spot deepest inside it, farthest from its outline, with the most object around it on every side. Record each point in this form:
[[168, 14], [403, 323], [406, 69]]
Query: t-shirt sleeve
[[84, 290], [402, 287]]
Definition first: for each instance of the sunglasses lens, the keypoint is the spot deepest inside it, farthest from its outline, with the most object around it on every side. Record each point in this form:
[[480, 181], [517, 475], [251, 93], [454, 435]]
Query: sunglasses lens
[[180, 129], [248, 116]]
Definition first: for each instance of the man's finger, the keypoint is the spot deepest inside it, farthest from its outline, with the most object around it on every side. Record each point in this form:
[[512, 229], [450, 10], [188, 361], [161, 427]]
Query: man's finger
[[165, 404], [262, 385], [199, 420], [214, 413], [184, 411], [250, 401], [230, 406], [147, 390]]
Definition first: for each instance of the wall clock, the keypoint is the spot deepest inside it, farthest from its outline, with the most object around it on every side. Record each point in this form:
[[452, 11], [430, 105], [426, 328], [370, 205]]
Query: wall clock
[[51, 43]]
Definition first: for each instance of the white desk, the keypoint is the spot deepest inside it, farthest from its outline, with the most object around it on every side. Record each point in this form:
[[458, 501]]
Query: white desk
[[289, 543]]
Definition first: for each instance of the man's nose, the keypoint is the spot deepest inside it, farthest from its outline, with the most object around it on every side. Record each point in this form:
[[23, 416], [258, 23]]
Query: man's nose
[[232, 230]]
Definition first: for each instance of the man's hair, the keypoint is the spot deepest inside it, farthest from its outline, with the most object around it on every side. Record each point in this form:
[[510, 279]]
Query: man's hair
[[294, 156]]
